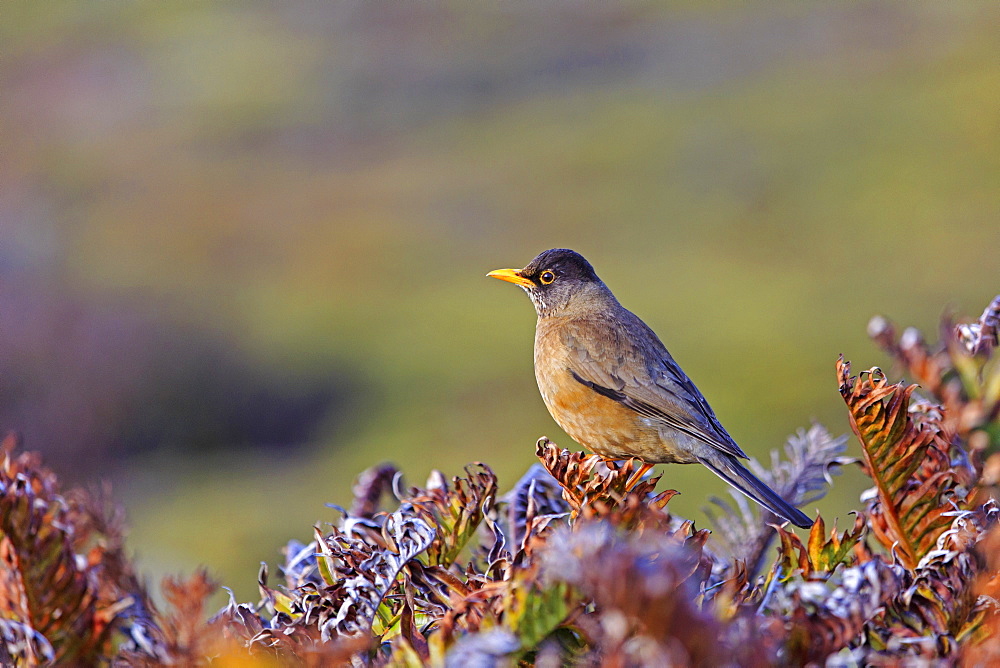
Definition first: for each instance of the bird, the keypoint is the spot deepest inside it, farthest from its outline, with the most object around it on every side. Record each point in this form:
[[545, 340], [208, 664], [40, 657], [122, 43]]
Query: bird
[[610, 384]]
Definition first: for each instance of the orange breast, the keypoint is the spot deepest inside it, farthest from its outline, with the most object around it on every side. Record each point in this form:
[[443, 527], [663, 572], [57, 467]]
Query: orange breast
[[596, 422]]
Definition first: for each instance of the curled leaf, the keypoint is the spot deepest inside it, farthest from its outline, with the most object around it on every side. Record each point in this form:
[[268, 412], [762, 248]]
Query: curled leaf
[[588, 479], [821, 554], [455, 512], [535, 494]]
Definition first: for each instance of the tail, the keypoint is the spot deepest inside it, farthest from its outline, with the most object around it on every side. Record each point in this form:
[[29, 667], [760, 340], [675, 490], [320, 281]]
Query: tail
[[730, 470]]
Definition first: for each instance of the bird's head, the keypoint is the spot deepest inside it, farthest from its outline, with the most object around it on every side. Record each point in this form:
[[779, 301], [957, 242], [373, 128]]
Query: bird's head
[[559, 282]]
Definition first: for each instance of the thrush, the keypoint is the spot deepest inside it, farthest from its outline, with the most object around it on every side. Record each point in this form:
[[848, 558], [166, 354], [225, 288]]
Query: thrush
[[610, 383]]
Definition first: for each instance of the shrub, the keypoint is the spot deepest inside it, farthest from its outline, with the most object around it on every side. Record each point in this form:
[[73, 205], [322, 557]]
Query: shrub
[[580, 563]]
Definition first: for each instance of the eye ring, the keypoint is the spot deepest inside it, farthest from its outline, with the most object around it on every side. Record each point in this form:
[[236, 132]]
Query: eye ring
[[547, 276]]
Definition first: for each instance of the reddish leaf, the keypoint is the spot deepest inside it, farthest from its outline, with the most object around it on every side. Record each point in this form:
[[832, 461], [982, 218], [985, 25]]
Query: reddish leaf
[[590, 479], [907, 460]]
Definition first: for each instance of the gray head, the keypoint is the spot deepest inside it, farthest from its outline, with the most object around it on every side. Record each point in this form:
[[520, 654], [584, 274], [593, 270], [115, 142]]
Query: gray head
[[558, 281]]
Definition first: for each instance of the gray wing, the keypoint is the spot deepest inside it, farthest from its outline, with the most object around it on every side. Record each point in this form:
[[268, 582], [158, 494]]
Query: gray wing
[[629, 364]]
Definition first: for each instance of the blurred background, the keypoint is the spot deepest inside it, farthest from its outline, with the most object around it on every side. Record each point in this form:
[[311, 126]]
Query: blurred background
[[243, 246]]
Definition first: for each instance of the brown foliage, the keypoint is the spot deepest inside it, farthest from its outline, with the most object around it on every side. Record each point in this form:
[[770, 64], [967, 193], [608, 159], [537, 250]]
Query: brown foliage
[[907, 459], [960, 371], [64, 581], [581, 563], [984, 648], [590, 480]]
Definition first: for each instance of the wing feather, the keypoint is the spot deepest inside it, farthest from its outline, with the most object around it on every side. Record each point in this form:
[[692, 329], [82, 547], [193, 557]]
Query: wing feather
[[626, 362]]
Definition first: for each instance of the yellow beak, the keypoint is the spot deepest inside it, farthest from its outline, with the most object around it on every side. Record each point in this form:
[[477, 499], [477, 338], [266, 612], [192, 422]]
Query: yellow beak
[[511, 276]]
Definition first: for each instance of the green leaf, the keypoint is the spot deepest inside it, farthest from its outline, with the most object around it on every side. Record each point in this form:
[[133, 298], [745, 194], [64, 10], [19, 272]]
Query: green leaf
[[534, 611]]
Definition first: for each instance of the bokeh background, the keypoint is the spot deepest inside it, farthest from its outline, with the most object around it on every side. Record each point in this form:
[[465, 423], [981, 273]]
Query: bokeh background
[[243, 246]]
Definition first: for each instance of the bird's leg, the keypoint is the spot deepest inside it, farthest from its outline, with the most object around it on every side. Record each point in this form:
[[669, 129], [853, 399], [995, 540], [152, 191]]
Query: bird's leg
[[642, 468]]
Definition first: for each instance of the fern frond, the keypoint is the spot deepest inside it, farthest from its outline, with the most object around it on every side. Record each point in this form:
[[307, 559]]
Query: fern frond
[[915, 486]]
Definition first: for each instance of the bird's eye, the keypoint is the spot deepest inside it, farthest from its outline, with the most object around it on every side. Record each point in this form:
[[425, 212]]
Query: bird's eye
[[547, 277]]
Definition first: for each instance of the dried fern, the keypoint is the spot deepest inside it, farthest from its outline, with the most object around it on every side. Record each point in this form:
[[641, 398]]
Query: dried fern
[[455, 511], [65, 585], [535, 495], [644, 586], [907, 459], [589, 480], [961, 372], [581, 563], [801, 478]]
